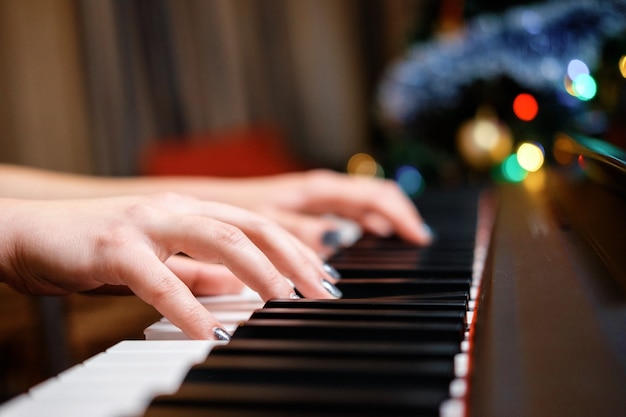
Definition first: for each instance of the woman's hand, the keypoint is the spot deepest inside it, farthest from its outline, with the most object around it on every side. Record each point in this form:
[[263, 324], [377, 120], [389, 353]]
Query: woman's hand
[[301, 202], [62, 246]]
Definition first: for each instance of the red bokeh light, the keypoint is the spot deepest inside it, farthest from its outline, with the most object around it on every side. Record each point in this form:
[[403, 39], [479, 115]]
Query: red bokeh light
[[525, 107]]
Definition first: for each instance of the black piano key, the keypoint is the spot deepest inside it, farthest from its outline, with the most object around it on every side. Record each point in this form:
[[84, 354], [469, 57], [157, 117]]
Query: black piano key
[[386, 287], [447, 242], [339, 349], [399, 269], [421, 254], [385, 373], [450, 316], [257, 400], [463, 296], [350, 331], [372, 304]]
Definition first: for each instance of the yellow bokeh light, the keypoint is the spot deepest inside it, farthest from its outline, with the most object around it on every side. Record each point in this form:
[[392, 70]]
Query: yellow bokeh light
[[530, 156], [622, 66], [363, 164], [535, 181], [563, 150], [484, 141], [485, 134]]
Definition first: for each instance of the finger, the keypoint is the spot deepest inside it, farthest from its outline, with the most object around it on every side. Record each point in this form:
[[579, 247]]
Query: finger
[[356, 197], [203, 278], [208, 239], [310, 277], [268, 247], [321, 234], [154, 283]]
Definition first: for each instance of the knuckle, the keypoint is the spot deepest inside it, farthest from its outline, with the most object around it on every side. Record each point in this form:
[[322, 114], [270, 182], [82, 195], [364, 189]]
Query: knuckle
[[168, 198], [112, 237], [387, 188], [266, 227], [160, 288], [318, 177], [230, 235]]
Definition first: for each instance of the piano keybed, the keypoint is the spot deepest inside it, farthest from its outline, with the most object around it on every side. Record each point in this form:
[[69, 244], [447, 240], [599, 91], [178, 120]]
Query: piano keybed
[[396, 344]]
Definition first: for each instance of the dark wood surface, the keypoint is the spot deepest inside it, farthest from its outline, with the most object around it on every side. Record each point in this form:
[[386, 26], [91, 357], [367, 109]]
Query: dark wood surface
[[551, 325]]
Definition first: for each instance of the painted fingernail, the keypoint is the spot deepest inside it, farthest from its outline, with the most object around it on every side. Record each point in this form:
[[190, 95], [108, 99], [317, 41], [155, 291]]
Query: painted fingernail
[[428, 232], [331, 239], [331, 271], [221, 334], [332, 290]]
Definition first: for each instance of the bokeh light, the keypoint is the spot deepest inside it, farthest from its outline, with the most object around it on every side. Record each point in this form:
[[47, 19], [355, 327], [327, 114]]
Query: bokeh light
[[363, 164], [622, 66], [530, 156], [535, 181], [484, 141], [525, 107], [584, 87], [575, 68], [511, 170], [563, 150], [410, 180], [578, 81]]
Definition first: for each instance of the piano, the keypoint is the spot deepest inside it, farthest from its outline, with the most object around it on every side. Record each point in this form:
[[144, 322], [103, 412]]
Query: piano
[[517, 309]]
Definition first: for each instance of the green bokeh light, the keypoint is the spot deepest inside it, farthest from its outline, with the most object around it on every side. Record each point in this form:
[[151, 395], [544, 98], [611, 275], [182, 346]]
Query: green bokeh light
[[511, 170], [585, 87]]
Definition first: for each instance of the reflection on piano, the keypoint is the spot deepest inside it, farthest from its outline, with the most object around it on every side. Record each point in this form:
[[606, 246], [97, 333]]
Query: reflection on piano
[[546, 335]]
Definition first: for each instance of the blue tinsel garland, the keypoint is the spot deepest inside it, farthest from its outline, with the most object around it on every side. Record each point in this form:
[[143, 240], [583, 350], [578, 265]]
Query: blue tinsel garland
[[532, 45]]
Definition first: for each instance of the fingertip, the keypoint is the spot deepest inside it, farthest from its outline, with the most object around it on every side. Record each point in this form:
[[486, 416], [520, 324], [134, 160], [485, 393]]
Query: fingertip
[[427, 234], [343, 234], [330, 270], [221, 335], [331, 289]]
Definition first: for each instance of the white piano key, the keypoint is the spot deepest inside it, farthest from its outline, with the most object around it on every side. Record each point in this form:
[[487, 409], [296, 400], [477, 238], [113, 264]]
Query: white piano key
[[461, 365], [452, 408], [61, 407], [118, 382], [231, 310], [458, 388], [227, 317], [164, 330], [14, 405], [474, 293], [465, 346], [186, 347]]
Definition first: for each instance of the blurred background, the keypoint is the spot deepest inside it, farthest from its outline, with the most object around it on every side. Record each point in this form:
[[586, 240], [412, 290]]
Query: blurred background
[[422, 91], [87, 86]]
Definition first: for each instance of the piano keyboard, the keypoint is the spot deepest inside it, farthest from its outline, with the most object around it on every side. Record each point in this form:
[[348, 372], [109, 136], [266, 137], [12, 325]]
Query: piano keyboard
[[397, 343]]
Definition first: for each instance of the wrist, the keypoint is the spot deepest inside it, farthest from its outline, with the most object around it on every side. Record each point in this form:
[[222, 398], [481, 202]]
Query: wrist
[[8, 241]]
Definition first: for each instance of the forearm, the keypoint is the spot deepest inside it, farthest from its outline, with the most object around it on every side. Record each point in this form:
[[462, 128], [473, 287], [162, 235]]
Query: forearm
[[32, 183]]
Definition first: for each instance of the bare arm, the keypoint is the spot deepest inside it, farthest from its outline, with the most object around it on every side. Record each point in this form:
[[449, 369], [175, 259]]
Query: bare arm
[[297, 201]]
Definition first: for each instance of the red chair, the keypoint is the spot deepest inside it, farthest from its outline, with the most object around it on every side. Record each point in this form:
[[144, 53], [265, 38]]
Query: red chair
[[237, 152]]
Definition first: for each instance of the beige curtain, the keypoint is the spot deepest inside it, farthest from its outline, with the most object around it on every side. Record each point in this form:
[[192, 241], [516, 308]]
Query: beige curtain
[[43, 114], [90, 82]]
